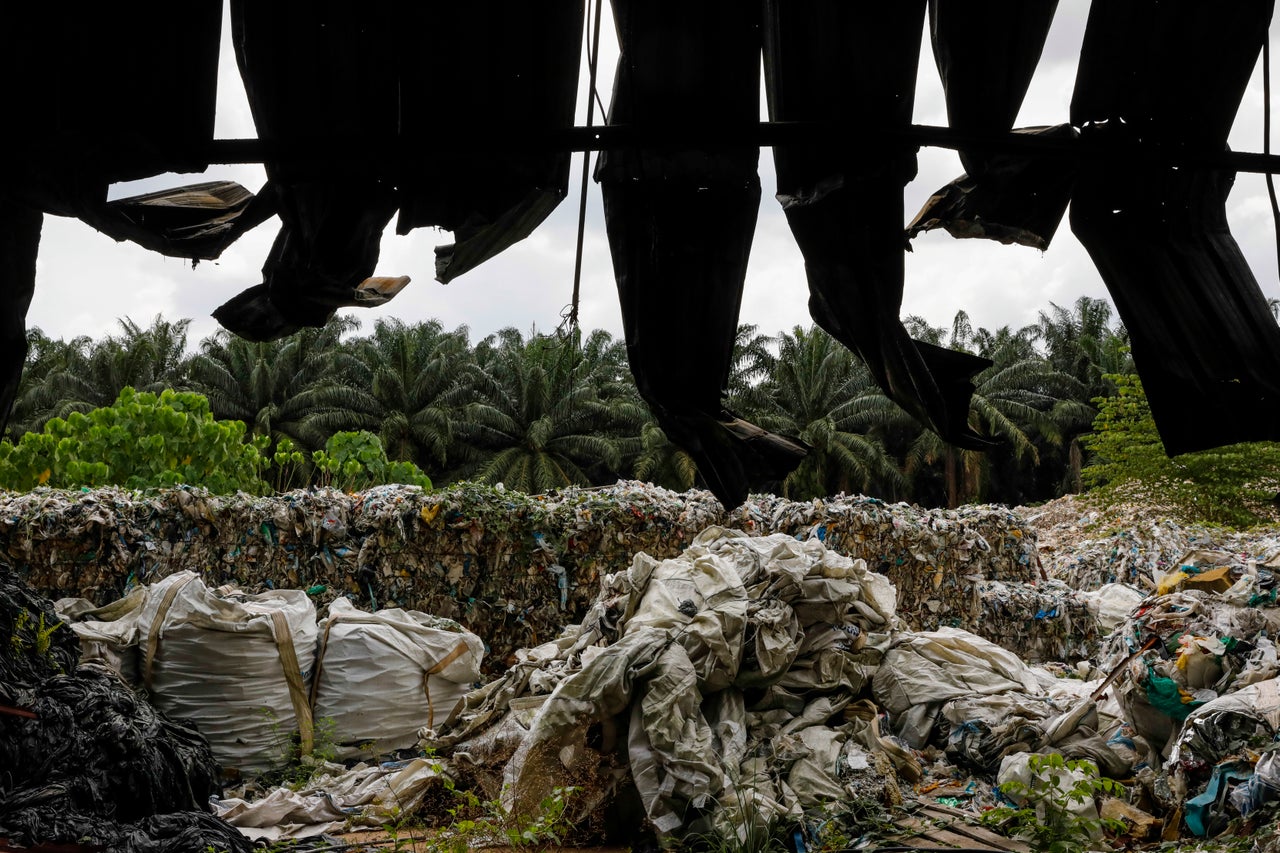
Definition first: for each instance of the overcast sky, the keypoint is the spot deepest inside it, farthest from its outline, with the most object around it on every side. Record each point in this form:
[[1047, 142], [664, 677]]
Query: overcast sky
[[85, 281]]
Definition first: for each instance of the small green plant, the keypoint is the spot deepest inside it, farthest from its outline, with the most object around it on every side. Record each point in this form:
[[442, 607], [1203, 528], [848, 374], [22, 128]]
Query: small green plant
[[474, 821], [294, 765], [1045, 816], [39, 633]]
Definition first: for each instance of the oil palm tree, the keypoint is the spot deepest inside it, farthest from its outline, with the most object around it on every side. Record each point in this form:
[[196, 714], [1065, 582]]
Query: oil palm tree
[[549, 411], [1022, 397], [822, 394], [413, 376], [300, 387], [148, 359]]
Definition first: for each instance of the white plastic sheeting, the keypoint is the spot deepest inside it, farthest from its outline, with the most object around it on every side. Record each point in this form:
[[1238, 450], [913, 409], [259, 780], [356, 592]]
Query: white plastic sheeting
[[382, 676], [109, 634]]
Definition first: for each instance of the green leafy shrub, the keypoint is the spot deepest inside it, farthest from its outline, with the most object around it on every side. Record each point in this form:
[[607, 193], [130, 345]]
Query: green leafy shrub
[[1045, 817], [352, 461], [1234, 485], [142, 441]]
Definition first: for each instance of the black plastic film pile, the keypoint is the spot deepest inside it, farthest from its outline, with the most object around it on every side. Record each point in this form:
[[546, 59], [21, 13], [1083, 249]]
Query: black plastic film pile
[[85, 759]]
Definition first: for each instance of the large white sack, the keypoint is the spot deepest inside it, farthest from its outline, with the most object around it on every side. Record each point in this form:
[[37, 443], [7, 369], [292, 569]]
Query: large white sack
[[380, 677], [109, 634], [238, 666]]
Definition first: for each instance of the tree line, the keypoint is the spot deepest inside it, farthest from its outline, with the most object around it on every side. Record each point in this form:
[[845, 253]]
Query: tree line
[[542, 411]]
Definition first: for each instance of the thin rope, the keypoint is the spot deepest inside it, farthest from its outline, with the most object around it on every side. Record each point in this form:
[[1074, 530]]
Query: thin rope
[[593, 56], [1266, 138]]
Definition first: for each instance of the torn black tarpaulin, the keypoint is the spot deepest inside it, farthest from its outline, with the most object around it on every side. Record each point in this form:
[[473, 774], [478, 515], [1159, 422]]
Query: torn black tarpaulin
[[19, 245], [492, 66], [986, 55], [118, 103], [1173, 73], [680, 223], [828, 60], [398, 72]]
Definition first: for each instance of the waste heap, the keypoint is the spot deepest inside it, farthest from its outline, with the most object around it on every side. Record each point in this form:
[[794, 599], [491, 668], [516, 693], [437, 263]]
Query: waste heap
[[513, 568], [85, 759], [731, 687], [1087, 547], [715, 688]]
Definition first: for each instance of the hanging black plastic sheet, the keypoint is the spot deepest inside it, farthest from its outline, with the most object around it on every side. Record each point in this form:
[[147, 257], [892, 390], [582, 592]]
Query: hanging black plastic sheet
[[108, 93], [856, 63], [1172, 73], [680, 223], [19, 245], [986, 54], [383, 74]]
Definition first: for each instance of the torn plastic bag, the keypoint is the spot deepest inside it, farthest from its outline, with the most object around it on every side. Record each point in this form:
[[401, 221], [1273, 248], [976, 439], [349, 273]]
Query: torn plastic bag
[[380, 677], [701, 602], [1262, 787], [1017, 768], [986, 55], [334, 798], [612, 682], [1248, 719], [921, 672], [239, 666], [1112, 603], [109, 634], [680, 224], [856, 63], [1203, 336]]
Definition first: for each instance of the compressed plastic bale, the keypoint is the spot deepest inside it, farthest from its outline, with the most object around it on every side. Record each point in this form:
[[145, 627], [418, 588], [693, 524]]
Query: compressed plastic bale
[[380, 677], [239, 666]]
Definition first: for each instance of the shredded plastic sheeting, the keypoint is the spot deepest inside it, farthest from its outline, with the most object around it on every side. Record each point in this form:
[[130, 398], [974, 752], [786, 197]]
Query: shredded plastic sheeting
[[512, 568], [85, 758]]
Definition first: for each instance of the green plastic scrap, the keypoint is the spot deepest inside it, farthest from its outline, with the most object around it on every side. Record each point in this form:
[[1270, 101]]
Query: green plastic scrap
[[1165, 696]]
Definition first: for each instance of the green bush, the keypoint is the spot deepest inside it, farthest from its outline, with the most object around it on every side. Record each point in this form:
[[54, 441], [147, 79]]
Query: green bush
[[141, 441], [352, 461], [1234, 485]]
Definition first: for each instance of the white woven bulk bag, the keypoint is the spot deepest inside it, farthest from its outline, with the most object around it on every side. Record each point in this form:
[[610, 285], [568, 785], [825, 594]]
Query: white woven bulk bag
[[380, 677], [236, 665], [109, 634]]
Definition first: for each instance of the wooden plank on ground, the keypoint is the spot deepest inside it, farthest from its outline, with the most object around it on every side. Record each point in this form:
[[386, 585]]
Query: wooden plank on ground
[[938, 825]]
